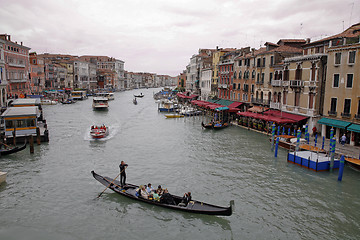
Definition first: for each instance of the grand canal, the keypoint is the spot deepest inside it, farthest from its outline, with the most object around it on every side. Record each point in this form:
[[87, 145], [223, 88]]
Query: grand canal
[[52, 195]]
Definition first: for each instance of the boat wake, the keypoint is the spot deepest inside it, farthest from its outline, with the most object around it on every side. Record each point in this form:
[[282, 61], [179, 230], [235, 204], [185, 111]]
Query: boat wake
[[113, 130]]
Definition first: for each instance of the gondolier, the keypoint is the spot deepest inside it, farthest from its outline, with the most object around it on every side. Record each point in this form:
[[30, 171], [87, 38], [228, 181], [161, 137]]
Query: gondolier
[[122, 166]]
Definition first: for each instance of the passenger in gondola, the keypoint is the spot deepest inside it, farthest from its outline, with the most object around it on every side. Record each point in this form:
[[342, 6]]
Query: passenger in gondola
[[156, 196], [144, 193], [149, 188], [167, 198], [159, 190], [185, 200]]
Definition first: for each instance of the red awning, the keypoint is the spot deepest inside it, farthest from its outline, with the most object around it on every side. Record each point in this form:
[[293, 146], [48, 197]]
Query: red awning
[[233, 110], [268, 118], [247, 114], [235, 104], [294, 117]]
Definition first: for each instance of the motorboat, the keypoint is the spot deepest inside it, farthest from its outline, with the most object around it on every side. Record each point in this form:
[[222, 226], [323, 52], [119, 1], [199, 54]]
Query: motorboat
[[98, 132]]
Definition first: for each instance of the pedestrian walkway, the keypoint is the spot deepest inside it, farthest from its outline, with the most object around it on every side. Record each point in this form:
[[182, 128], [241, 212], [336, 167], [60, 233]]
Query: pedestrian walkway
[[346, 150]]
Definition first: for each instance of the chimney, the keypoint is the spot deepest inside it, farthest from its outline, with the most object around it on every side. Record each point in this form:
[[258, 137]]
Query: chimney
[[21, 43], [307, 40], [9, 39], [217, 48]]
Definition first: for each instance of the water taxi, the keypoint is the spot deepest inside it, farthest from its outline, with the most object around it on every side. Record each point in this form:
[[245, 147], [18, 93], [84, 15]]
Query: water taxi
[[23, 121], [98, 132], [166, 106], [79, 95], [100, 103]]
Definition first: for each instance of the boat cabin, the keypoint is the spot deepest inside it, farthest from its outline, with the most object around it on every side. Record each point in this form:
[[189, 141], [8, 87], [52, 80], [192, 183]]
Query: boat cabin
[[28, 102], [23, 119], [78, 95], [100, 103]]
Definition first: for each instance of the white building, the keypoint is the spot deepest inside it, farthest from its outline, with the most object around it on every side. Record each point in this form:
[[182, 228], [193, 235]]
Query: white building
[[205, 83], [3, 81]]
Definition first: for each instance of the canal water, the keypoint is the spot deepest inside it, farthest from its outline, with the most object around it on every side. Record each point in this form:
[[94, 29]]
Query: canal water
[[52, 195]]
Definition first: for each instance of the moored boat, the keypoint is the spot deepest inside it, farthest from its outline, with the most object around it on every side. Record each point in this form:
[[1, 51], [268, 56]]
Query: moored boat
[[220, 125], [129, 190], [209, 125], [174, 116], [11, 149], [48, 102], [3, 177], [353, 163], [98, 132]]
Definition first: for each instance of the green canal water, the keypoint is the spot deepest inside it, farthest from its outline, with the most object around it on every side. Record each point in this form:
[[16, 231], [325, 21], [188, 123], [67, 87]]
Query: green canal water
[[52, 195]]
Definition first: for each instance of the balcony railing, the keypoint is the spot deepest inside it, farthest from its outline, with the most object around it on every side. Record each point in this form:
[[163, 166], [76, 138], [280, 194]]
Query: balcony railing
[[346, 115], [296, 83], [260, 101], [12, 64], [332, 113], [223, 85], [276, 83], [275, 105], [312, 84], [17, 80]]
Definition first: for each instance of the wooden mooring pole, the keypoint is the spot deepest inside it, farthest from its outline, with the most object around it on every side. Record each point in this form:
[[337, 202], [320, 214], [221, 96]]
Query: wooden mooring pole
[[38, 137], [31, 143]]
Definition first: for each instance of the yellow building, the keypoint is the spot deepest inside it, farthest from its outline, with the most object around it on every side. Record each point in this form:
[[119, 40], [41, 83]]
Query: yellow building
[[342, 87]]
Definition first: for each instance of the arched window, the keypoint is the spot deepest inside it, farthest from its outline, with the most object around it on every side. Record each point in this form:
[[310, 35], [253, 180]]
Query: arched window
[[240, 75], [298, 72], [275, 97]]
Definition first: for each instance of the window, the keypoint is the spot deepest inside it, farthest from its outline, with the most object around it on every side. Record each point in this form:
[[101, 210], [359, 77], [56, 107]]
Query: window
[[336, 81], [311, 100], [263, 62], [284, 97], [240, 62], [337, 58], [240, 75], [349, 80], [253, 74], [271, 77], [271, 60], [313, 71], [239, 86], [358, 111], [347, 105], [297, 98], [298, 73], [262, 77], [352, 57], [333, 105], [258, 62], [252, 88]]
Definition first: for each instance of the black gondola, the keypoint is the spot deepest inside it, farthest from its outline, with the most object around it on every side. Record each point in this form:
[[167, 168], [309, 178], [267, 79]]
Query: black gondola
[[139, 96], [12, 150], [207, 125], [129, 190]]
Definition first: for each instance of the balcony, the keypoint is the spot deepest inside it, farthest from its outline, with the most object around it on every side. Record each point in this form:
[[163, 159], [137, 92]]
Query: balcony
[[312, 84], [17, 80], [296, 83], [276, 83], [223, 85], [260, 101], [345, 115], [332, 113], [275, 105], [12, 64]]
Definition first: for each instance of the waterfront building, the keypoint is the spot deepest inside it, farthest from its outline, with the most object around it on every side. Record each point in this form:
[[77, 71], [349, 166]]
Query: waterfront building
[[16, 66], [3, 81], [215, 69], [37, 74], [342, 87], [226, 75], [205, 82], [181, 80], [240, 88], [81, 74]]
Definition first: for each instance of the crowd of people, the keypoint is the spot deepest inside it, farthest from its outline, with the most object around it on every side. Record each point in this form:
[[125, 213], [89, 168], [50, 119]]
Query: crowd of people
[[148, 192]]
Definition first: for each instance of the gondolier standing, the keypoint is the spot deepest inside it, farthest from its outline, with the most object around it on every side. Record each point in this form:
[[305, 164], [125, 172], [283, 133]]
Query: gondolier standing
[[122, 166]]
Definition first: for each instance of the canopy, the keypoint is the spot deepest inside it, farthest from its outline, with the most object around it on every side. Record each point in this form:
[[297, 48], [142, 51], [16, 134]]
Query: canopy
[[294, 117], [354, 128], [221, 108], [180, 95], [334, 123], [235, 104], [268, 118]]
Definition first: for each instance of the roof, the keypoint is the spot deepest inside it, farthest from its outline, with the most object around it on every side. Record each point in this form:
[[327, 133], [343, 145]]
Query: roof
[[352, 31], [21, 111], [26, 101], [257, 109], [277, 113], [269, 118]]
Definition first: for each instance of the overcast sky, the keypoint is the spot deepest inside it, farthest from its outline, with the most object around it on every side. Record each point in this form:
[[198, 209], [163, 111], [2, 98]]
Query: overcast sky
[[160, 36]]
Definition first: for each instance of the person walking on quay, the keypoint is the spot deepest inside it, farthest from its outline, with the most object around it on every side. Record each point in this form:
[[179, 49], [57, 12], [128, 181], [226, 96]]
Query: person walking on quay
[[122, 166], [343, 139], [314, 129]]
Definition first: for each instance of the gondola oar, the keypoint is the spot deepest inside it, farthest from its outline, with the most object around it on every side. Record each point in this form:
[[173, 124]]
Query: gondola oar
[[110, 183]]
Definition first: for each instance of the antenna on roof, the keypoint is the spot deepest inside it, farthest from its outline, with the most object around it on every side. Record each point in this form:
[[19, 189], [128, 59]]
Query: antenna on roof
[[301, 26]]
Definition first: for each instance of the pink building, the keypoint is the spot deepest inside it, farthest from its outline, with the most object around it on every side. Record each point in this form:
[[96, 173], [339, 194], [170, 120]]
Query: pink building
[[16, 66]]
